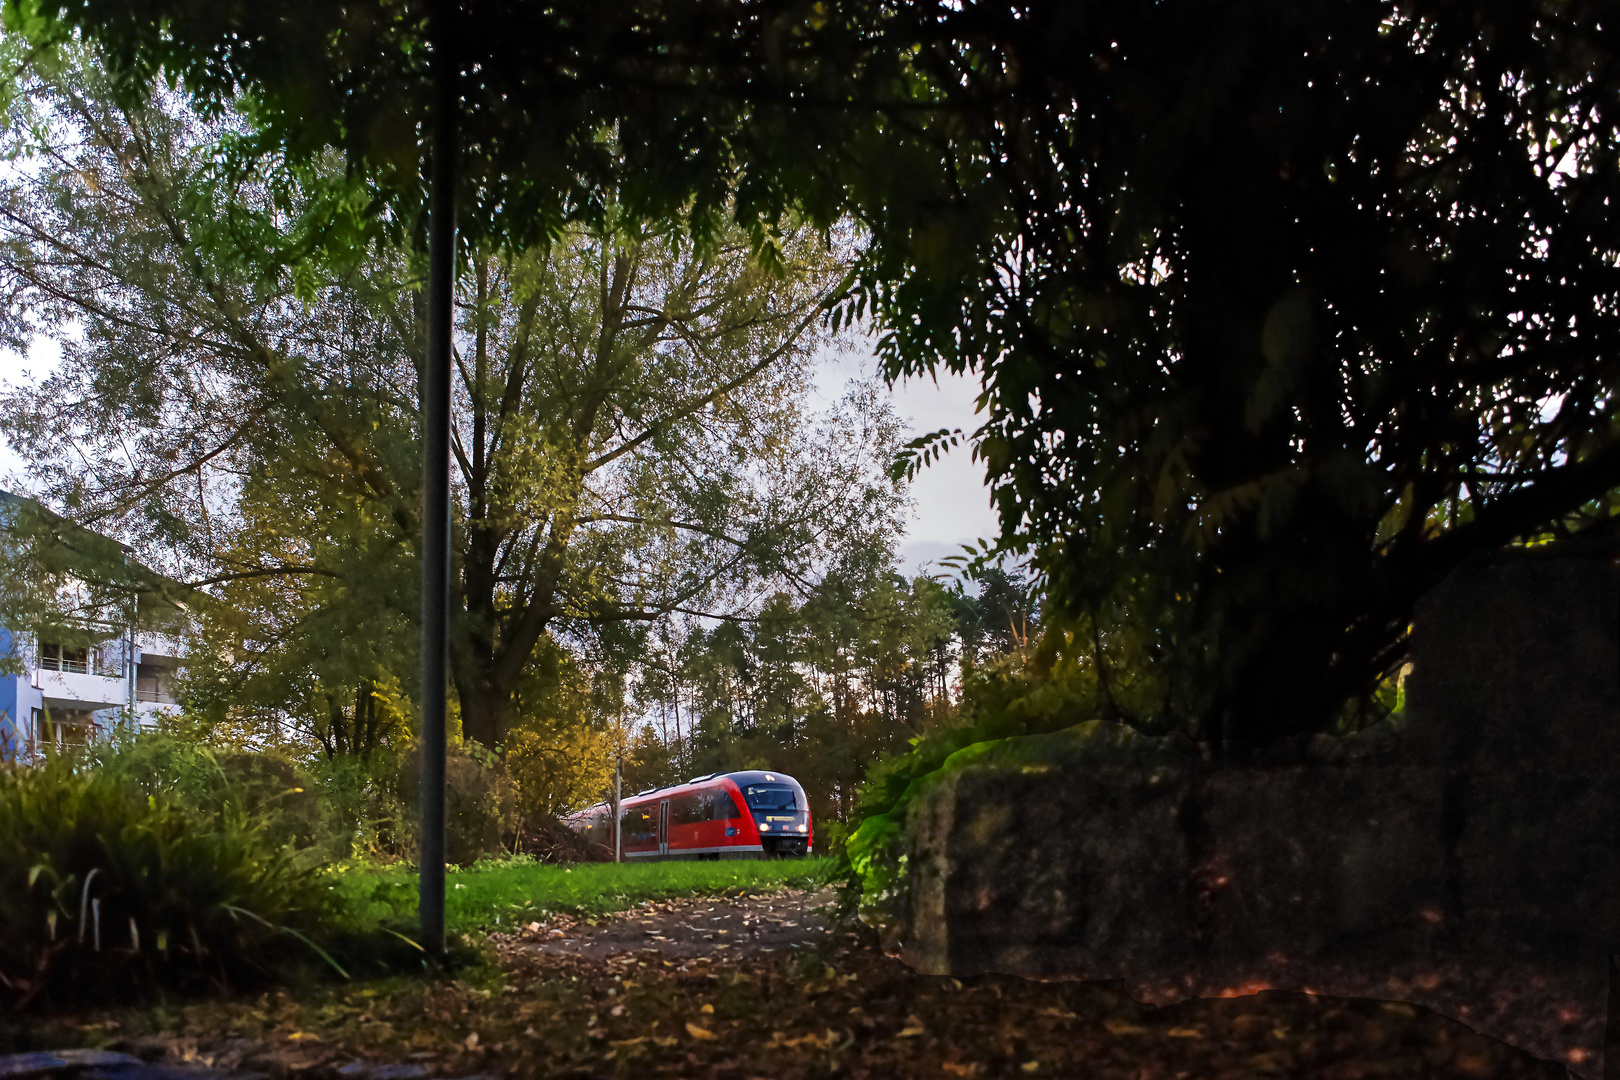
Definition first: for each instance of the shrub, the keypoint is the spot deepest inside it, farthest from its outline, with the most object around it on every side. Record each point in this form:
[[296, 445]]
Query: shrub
[[480, 802], [546, 839], [109, 889]]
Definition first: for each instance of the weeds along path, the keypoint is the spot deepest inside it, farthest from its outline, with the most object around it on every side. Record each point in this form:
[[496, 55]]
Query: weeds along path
[[732, 988]]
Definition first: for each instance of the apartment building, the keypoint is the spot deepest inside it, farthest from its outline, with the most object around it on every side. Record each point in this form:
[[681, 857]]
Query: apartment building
[[114, 673]]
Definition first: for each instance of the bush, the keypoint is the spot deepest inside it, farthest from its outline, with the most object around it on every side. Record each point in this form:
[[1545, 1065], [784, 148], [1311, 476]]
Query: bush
[[480, 802], [546, 839], [109, 889]]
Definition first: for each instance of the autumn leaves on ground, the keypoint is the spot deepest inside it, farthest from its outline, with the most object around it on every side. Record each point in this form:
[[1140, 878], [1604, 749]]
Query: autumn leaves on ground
[[763, 985]]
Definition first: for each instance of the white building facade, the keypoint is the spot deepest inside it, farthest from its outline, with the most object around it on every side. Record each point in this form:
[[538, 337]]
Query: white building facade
[[65, 695]]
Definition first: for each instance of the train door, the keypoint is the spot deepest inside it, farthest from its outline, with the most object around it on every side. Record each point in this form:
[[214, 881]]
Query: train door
[[663, 827]]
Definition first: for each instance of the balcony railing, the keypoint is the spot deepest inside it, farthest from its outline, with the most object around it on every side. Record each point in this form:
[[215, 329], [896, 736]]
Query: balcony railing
[[107, 662]]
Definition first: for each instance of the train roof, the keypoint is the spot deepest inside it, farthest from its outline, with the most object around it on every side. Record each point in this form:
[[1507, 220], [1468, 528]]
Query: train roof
[[760, 776]]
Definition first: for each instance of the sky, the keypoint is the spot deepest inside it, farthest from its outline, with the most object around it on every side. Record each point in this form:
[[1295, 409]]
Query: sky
[[952, 505]]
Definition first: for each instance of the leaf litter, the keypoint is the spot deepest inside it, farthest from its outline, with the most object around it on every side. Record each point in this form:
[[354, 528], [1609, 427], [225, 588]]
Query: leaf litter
[[789, 1002]]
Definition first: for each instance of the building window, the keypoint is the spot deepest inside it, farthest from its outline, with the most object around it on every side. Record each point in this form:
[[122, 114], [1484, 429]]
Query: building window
[[64, 727], [152, 683], [106, 659], [53, 657]]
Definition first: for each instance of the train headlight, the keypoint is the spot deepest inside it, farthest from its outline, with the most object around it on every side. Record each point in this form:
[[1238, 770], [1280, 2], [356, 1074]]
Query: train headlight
[[804, 828], [764, 826]]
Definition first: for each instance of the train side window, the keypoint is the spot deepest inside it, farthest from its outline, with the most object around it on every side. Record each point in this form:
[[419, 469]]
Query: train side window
[[686, 810], [639, 827], [725, 807]]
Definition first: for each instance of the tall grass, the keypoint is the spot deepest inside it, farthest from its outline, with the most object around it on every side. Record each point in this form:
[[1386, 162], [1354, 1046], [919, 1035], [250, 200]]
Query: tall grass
[[109, 890]]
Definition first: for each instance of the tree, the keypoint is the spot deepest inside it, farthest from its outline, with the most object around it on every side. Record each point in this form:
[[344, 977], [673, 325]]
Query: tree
[[1001, 618], [719, 111], [819, 686], [1256, 289], [1283, 311], [631, 433]]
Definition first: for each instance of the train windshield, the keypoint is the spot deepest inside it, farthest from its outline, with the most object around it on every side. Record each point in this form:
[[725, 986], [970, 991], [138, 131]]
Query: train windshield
[[770, 797]]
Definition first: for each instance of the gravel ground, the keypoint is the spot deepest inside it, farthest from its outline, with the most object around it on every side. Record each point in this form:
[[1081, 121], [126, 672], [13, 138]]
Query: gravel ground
[[687, 929]]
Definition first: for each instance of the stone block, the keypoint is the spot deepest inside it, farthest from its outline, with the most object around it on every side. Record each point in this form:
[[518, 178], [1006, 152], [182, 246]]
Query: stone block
[[1464, 859]]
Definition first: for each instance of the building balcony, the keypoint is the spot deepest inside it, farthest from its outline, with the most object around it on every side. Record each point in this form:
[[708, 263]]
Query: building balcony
[[156, 646], [79, 690]]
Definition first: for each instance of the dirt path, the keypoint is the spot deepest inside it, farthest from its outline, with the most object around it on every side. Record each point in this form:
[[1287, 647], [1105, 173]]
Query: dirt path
[[687, 929], [760, 987]]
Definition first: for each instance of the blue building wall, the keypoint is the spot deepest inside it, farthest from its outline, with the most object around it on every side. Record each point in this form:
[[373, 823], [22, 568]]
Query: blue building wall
[[12, 737]]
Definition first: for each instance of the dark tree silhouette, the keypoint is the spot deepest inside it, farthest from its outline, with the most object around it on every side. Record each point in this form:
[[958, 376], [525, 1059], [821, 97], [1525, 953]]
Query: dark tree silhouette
[[1283, 309]]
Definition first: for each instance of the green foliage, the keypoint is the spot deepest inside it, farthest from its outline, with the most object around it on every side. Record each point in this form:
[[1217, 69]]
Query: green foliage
[[1281, 310], [281, 797], [676, 84], [1255, 289], [480, 803], [819, 688], [633, 430], [109, 890], [1071, 678]]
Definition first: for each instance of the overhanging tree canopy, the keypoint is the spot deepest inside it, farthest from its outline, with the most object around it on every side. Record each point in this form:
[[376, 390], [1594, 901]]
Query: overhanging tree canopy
[[1283, 309]]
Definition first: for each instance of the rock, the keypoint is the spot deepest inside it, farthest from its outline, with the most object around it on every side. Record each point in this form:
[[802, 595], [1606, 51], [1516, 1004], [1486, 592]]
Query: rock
[[365, 1070], [62, 1061], [1463, 859], [13, 1066], [107, 1065]]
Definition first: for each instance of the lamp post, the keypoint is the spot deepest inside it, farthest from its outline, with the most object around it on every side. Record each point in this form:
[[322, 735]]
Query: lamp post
[[446, 107]]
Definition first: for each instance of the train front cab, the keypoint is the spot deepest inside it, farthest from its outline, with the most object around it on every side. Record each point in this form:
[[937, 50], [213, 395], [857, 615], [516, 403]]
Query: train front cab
[[777, 809], [748, 815]]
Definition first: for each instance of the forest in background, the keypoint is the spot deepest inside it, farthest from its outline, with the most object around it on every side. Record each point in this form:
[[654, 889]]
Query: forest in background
[[1235, 453], [666, 557]]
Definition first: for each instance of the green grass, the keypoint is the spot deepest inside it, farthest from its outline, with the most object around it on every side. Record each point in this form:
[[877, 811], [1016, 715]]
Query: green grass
[[500, 894]]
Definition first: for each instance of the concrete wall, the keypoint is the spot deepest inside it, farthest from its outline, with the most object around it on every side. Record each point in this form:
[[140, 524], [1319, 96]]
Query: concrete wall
[[1464, 859]]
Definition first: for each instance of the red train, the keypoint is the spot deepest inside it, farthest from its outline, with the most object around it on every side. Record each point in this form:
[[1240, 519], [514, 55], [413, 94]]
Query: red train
[[738, 815]]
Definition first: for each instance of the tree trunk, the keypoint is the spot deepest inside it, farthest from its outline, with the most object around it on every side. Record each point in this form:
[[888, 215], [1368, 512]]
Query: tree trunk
[[483, 711]]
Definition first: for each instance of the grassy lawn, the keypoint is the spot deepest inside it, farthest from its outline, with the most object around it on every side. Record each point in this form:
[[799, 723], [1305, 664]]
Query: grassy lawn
[[492, 895]]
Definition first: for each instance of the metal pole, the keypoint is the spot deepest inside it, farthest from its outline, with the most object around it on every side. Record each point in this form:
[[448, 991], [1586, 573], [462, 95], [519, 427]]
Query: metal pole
[[436, 469], [618, 796]]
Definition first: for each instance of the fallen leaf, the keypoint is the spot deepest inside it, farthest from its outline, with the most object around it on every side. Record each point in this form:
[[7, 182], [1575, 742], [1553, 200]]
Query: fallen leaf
[[1121, 1027], [699, 1032], [1185, 1033], [970, 1068], [472, 1041], [910, 1032], [811, 1039], [1030, 1066], [707, 1008], [1061, 1014]]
